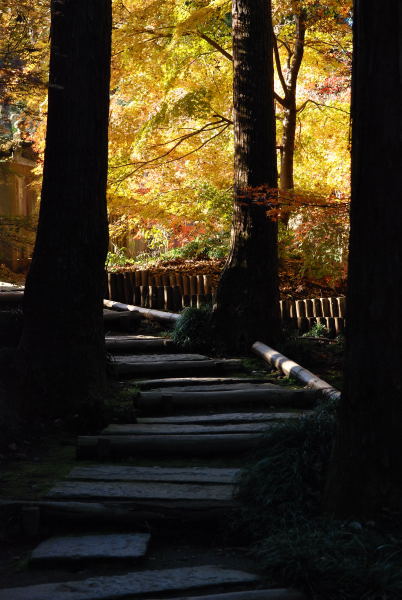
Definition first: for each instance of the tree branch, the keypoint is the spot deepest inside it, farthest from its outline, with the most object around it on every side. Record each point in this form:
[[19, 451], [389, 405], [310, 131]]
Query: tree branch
[[215, 45]]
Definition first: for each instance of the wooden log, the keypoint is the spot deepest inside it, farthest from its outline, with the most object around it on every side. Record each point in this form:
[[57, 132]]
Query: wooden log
[[200, 300], [325, 306], [342, 306], [186, 300], [339, 325], [200, 284], [309, 307], [193, 285], [137, 295], [291, 368], [333, 307], [164, 317], [11, 297], [303, 324], [330, 325], [113, 290], [317, 307], [144, 277], [168, 298], [300, 308], [153, 296], [207, 284], [172, 445], [186, 285], [274, 397], [179, 281], [144, 295], [160, 295], [177, 299]]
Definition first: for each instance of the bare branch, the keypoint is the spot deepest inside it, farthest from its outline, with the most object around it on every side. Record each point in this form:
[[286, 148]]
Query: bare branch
[[215, 45]]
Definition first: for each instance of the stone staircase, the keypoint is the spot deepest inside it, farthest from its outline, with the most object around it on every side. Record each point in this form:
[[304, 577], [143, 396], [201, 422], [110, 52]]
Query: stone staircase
[[164, 481]]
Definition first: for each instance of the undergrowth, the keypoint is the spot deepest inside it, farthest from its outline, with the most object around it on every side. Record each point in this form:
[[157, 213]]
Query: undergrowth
[[193, 332], [294, 544]]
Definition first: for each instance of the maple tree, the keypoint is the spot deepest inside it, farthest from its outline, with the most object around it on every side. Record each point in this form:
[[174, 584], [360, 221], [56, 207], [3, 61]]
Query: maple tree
[[171, 121]]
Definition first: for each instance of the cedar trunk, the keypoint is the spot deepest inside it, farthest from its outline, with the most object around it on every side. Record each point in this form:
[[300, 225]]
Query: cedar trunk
[[247, 297], [366, 473], [62, 350]]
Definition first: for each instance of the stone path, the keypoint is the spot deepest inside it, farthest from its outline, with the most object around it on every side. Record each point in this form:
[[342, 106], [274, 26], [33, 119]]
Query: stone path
[[189, 407]]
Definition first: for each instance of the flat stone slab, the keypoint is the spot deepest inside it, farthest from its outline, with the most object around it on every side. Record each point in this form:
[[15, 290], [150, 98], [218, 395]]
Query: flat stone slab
[[132, 584], [150, 358], [206, 475], [91, 490], [199, 381], [92, 547], [246, 417], [216, 387], [267, 594], [184, 428], [159, 364]]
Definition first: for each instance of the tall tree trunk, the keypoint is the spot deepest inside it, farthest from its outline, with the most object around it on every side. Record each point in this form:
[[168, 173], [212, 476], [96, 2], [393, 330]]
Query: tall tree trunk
[[289, 122], [62, 349], [366, 473], [247, 298]]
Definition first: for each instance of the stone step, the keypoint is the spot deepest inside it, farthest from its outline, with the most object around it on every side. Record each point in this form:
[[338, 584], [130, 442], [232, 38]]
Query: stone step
[[272, 396], [132, 584], [248, 386], [185, 428], [181, 382], [227, 418], [266, 594], [205, 475], [108, 447], [141, 491], [138, 344], [119, 546], [168, 364]]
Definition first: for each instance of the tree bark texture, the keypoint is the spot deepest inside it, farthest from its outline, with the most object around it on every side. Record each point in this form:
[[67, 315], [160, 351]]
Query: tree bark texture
[[366, 473], [62, 350], [247, 297]]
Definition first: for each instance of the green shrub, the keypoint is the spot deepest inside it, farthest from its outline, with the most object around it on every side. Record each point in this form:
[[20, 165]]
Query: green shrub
[[332, 560], [287, 479], [193, 332]]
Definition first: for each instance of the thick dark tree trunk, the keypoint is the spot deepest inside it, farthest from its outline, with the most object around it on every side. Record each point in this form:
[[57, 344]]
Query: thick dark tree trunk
[[62, 349], [247, 297], [366, 472]]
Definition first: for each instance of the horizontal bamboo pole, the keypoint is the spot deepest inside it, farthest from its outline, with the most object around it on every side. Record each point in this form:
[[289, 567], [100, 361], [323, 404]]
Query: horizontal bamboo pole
[[146, 313], [291, 368]]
